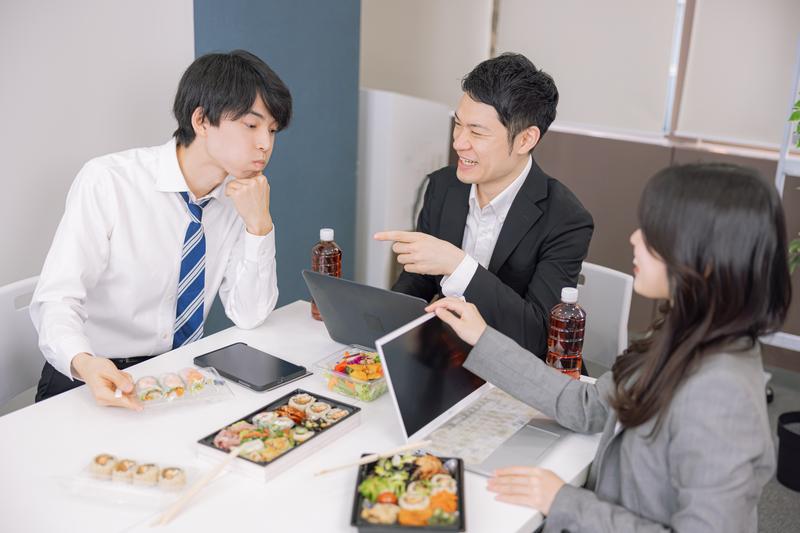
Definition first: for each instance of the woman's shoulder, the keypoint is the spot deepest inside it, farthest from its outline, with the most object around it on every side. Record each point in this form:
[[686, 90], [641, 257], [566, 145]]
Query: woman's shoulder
[[725, 375]]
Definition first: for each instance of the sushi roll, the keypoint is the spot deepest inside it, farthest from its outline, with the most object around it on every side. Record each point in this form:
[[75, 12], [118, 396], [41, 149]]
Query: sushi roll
[[148, 390], [172, 478], [123, 471], [414, 501], [102, 465], [194, 379], [265, 419], [301, 401], [443, 483], [146, 475], [334, 415], [418, 487], [226, 439], [301, 434], [282, 424], [317, 410], [254, 451], [172, 385]]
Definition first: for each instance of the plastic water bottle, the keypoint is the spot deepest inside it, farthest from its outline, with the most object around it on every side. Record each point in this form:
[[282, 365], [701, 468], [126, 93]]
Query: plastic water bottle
[[326, 258], [565, 336]]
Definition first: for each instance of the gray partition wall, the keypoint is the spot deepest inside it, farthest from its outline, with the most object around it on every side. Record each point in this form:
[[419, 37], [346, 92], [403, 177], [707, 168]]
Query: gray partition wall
[[313, 45]]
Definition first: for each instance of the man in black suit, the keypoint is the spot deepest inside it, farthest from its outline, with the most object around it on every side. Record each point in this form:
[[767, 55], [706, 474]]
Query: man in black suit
[[496, 229]]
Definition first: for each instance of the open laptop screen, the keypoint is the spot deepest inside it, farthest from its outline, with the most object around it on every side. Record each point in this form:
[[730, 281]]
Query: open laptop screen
[[424, 365]]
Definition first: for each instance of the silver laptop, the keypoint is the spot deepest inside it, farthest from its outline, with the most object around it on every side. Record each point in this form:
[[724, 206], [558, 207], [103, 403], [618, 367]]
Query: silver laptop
[[436, 398]]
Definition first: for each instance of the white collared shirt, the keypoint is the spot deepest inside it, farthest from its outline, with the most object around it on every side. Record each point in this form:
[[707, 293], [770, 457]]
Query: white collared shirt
[[109, 284], [480, 234]]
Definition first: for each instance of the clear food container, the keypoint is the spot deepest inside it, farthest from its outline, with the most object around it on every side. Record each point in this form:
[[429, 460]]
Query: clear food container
[[350, 380]]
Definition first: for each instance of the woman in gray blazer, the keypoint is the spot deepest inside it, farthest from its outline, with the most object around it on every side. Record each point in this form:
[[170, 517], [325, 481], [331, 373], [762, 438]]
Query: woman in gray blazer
[[686, 442]]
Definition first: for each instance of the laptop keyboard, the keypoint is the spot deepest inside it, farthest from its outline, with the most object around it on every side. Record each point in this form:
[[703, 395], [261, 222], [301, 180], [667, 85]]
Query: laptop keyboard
[[477, 431]]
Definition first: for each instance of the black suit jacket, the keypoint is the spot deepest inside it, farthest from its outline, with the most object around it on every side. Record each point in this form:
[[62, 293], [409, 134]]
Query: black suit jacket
[[544, 240]]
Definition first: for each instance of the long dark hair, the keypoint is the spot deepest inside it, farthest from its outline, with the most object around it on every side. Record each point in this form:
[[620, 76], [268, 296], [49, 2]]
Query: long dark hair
[[720, 231]]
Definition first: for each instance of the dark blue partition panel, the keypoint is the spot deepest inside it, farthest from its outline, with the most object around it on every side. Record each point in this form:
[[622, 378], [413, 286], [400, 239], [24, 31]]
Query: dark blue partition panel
[[313, 46]]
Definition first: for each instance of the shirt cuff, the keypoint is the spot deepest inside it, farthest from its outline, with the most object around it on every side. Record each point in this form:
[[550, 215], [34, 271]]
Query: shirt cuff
[[456, 283], [257, 245], [68, 348]]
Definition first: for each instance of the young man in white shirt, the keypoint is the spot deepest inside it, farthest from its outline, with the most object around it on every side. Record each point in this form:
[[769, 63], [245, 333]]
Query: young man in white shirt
[[150, 235], [496, 229]]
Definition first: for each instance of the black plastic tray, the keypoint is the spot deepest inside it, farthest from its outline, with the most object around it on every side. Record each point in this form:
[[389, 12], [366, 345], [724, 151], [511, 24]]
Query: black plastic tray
[[367, 527], [283, 400]]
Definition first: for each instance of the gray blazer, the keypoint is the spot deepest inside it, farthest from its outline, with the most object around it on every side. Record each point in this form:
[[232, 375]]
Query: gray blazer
[[702, 472]]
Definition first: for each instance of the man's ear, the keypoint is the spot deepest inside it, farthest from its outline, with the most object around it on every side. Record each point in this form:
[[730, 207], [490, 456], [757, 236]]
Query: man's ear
[[199, 122], [527, 139]]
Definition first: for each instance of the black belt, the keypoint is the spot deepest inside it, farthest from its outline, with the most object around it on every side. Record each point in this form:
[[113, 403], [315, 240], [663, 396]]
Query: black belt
[[132, 360]]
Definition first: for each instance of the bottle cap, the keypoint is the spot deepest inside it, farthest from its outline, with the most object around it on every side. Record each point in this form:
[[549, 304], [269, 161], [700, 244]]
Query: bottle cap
[[326, 234], [569, 295]]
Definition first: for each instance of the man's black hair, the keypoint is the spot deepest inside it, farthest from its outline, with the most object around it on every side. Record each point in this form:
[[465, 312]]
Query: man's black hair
[[226, 86], [522, 95]]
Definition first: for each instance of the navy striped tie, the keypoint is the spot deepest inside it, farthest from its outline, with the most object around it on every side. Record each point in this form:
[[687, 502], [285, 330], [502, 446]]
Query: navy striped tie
[[189, 310]]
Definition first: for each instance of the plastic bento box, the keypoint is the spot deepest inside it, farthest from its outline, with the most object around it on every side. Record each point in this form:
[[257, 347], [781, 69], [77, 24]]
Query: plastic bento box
[[291, 428], [410, 492], [354, 372], [182, 387], [125, 481]]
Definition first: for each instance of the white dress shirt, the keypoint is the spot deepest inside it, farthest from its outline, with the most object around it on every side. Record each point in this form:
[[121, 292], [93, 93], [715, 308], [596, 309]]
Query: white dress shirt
[[109, 284], [480, 234]]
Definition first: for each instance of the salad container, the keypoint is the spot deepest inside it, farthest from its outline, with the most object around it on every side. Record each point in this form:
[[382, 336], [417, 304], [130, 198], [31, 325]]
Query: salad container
[[354, 372], [410, 492]]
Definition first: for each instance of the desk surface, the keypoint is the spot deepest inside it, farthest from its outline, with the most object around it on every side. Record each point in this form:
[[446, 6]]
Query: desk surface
[[50, 441]]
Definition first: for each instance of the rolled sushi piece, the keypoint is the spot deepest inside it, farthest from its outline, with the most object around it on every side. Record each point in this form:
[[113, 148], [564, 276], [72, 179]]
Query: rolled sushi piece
[[146, 475], [148, 389], [265, 419], [301, 434], [254, 449], [172, 478], [282, 423], [123, 471], [418, 487], [443, 483], [317, 410], [172, 385], [414, 501], [301, 401], [194, 379], [102, 465], [334, 415]]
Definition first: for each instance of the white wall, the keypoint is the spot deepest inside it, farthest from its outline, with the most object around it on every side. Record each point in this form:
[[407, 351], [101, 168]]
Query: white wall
[[78, 79], [423, 48]]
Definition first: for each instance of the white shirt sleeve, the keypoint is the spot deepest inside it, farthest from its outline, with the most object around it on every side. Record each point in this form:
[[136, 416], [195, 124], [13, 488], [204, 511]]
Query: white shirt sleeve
[[249, 290], [456, 283], [76, 260]]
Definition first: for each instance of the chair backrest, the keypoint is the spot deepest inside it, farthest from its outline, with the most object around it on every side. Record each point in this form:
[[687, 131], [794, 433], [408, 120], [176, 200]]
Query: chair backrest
[[605, 294], [20, 359]]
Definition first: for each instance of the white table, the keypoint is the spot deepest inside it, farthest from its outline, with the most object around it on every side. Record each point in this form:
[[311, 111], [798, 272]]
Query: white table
[[56, 438]]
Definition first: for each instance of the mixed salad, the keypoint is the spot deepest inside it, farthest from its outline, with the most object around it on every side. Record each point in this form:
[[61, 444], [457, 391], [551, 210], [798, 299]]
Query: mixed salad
[[357, 374]]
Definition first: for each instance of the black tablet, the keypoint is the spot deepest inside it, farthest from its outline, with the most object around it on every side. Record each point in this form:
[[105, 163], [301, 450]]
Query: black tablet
[[252, 368]]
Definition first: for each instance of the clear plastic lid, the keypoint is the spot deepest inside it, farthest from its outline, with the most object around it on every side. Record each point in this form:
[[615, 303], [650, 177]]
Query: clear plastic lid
[[569, 295], [326, 234]]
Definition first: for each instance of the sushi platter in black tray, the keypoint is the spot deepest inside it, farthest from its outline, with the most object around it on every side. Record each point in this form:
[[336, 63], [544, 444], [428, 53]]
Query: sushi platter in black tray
[[291, 428], [410, 492]]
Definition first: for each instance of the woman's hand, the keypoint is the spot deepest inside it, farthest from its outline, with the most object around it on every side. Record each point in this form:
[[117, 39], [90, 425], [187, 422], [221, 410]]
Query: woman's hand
[[463, 317], [526, 485]]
